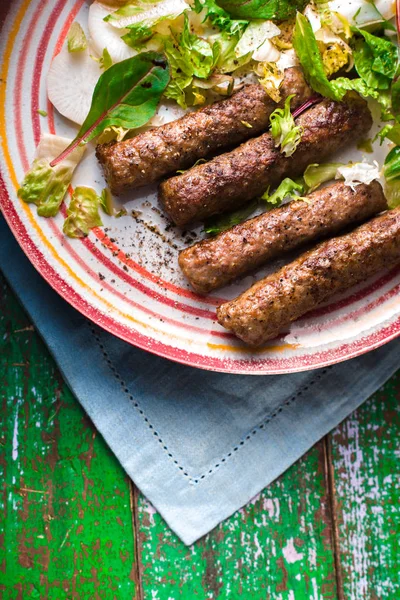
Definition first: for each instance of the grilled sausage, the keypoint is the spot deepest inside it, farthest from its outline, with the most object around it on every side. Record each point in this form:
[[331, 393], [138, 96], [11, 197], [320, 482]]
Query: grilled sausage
[[234, 178], [214, 262], [177, 145], [333, 266]]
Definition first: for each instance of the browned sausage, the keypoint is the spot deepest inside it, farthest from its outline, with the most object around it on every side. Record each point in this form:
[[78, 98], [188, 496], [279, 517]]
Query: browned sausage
[[177, 145], [333, 266], [214, 262], [234, 178]]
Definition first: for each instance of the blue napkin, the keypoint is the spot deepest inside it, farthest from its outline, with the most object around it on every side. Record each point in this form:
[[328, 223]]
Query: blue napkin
[[198, 444]]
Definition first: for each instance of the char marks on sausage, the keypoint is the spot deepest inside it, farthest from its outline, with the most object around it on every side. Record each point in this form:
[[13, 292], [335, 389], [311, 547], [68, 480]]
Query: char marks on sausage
[[334, 266], [153, 154], [232, 179]]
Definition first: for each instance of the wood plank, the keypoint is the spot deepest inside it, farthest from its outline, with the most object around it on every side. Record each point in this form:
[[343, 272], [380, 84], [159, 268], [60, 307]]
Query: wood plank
[[65, 516], [365, 458], [278, 547]]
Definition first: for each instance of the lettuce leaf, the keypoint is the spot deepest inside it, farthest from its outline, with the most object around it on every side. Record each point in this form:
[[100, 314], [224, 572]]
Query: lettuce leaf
[[44, 185], [315, 174], [224, 46], [369, 84], [219, 17], [216, 225], [277, 10], [391, 172], [363, 62], [189, 56], [83, 213], [76, 39], [286, 189], [308, 53], [286, 134], [106, 202], [384, 54]]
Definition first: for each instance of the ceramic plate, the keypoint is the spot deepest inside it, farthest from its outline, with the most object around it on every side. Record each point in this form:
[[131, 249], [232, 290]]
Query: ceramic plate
[[125, 276]]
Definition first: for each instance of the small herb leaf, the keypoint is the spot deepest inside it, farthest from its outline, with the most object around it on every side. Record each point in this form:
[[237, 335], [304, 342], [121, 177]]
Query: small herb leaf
[[126, 95]]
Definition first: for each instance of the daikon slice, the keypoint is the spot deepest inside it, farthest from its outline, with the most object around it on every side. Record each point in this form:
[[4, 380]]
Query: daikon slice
[[103, 35], [71, 80]]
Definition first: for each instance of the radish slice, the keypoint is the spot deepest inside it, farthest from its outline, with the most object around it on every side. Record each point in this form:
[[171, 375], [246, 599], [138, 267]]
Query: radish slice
[[103, 35], [71, 80], [362, 12]]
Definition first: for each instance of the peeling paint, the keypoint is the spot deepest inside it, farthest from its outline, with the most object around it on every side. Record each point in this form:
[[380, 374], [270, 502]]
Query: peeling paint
[[290, 553]]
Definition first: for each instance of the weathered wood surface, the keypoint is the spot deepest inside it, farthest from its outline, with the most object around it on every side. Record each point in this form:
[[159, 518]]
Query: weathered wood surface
[[326, 529]]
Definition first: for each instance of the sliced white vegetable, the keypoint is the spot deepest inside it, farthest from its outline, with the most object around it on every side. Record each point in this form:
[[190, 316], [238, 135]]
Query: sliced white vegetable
[[50, 146], [313, 17], [71, 80], [255, 36], [267, 52], [288, 58], [103, 35], [363, 12], [357, 173], [151, 12]]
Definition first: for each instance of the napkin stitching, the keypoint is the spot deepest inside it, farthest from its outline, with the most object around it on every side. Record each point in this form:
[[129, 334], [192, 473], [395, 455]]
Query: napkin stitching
[[191, 479]]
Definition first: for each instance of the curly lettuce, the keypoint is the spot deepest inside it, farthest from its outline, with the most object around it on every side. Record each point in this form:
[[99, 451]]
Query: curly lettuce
[[286, 134], [44, 185], [82, 213]]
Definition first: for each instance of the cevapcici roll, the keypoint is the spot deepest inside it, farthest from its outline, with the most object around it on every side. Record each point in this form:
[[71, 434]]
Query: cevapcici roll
[[234, 178], [333, 266], [177, 145], [214, 262]]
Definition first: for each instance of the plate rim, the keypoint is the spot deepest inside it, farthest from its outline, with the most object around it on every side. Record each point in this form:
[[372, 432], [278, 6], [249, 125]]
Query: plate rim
[[158, 347]]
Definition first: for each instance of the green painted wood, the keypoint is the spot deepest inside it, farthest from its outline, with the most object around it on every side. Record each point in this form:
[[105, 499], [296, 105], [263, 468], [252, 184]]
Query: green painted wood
[[278, 547], [365, 460], [65, 516]]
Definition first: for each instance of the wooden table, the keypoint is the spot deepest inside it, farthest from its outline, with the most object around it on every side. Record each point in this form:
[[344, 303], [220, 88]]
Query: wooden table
[[74, 527]]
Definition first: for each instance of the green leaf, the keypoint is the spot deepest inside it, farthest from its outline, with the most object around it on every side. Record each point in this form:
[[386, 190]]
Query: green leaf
[[189, 56], [224, 46], [46, 186], [391, 172], [317, 174], [286, 134], [395, 97], [391, 167], [308, 53], [218, 224], [138, 34], [126, 95], [369, 84], [128, 10], [363, 62], [196, 52], [105, 60], [76, 39], [384, 53], [390, 132], [392, 193], [277, 10], [219, 17], [106, 202], [286, 189], [83, 213]]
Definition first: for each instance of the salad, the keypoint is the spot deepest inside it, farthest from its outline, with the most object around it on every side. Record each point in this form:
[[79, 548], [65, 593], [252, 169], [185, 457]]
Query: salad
[[133, 62]]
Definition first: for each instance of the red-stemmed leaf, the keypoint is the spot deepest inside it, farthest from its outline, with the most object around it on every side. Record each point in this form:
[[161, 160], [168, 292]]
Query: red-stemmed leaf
[[126, 96]]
